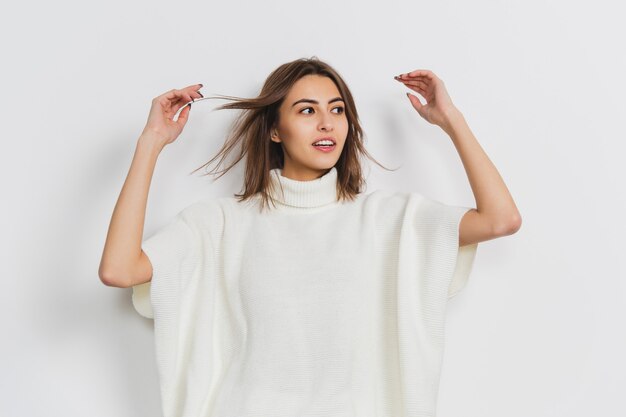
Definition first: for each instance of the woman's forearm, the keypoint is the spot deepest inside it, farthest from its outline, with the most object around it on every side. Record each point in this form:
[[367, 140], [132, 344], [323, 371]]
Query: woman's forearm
[[493, 199], [122, 248]]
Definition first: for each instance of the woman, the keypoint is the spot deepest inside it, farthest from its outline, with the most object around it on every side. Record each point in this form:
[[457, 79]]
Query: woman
[[330, 303]]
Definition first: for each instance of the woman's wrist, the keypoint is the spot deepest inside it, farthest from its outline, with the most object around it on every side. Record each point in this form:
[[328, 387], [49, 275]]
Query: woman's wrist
[[453, 119], [150, 141]]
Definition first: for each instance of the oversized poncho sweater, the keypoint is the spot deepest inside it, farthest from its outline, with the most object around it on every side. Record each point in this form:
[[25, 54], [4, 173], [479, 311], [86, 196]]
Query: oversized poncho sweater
[[316, 308]]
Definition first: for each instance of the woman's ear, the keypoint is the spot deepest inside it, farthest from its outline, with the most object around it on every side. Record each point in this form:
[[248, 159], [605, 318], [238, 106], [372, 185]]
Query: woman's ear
[[274, 135]]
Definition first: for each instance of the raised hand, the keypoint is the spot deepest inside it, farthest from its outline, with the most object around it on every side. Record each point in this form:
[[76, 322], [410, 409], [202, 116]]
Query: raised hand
[[161, 117], [439, 106]]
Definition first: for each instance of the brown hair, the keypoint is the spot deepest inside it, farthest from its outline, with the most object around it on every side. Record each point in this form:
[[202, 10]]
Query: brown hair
[[252, 130]]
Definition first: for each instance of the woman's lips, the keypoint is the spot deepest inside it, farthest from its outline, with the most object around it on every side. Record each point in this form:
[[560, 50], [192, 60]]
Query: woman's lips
[[325, 148]]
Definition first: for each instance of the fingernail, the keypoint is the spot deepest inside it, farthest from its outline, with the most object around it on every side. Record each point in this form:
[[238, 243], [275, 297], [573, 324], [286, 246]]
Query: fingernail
[[201, 85], [200, 94]]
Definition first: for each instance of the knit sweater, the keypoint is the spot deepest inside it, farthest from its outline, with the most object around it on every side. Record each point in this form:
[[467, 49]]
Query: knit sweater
[[318, 307]]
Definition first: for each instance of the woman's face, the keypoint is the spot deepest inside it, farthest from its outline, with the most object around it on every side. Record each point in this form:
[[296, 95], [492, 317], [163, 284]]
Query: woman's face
[[313, 109]]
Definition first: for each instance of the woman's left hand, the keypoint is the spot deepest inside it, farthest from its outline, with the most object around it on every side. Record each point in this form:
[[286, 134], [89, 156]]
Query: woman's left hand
[[439, 107]]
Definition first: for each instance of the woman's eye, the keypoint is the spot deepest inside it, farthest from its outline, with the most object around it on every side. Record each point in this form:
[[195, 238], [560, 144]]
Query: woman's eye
[[341, 109]]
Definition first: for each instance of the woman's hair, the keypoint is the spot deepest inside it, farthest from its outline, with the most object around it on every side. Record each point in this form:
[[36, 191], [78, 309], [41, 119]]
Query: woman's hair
[[251, 129]]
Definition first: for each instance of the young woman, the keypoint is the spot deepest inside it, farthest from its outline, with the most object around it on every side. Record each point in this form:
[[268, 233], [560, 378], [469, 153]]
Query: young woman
[[326, 302]]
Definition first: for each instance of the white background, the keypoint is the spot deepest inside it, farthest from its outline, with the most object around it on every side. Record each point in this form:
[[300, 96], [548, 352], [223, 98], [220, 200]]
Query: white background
[[539, 329]]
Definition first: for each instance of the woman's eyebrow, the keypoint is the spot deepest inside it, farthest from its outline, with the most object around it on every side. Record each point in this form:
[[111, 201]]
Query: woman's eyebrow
[[308, 100]]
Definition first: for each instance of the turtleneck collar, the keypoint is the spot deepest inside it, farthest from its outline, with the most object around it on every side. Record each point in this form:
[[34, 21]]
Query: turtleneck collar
[[305, 194]]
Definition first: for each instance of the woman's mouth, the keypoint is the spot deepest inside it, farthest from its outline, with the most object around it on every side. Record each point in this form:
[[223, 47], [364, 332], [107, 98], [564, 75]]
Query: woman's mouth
[[325, 148], [325, 144]]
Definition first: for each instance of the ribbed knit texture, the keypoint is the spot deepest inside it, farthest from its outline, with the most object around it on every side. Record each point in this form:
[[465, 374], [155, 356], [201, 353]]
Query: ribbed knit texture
[[317, 308]]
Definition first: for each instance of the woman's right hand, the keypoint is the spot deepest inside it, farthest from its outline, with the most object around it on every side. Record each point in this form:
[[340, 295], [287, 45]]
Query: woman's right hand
[[160, 120]]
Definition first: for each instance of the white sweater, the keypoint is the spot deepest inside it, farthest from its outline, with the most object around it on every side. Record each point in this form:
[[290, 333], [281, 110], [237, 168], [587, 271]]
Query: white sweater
[[317, 308]]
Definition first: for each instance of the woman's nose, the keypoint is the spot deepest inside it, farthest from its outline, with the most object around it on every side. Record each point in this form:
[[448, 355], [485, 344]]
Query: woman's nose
[[326, 122]]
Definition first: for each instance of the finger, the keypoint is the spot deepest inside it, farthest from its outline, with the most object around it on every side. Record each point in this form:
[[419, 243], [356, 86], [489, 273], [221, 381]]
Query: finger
[[171, 95], [423, 93], [188, 104], [174, 99], [417, 82], [192, 90], [420, 87], [406, 77], [409, 75], [422, 73], [177, 99], [183, 116], [416, 85], [415, 101], [194, 87], [182, 96]]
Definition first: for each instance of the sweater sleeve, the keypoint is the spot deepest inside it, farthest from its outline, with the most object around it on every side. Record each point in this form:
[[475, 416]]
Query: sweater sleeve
[[173, 253], [438, 225]]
